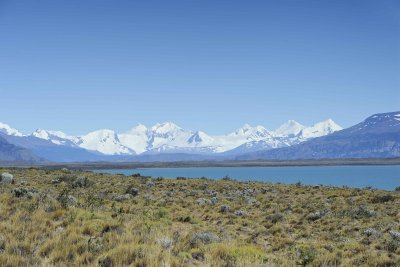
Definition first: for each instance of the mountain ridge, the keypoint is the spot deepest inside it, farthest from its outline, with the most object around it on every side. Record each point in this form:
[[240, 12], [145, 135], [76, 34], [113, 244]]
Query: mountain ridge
[[168, 137], [12, 153], [377, 136]]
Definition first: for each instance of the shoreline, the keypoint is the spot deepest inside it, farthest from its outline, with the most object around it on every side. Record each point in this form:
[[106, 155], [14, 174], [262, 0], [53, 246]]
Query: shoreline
[[194, 164]]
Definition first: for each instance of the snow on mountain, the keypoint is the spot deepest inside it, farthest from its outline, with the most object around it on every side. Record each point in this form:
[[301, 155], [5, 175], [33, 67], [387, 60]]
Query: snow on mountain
[[168, 134], [135, 139], [388, 122], [104, 141], [241, 136], [319, 129], [254, 146], [166, 128], [200, 138], [167, 137], [56, 137], [290, 128], [6, 129], [170, 138], [397, 117], [249, 133], [375, 137]]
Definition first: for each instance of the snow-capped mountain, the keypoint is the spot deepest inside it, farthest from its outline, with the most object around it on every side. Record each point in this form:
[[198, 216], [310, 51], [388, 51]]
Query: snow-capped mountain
[[243, 135], [56, 137], [104, 141], [319, 129], [168, 137], [289, 128], [6, 129], [162, 138], [167, 134], [200, 138], [376, 137], [135, 139]]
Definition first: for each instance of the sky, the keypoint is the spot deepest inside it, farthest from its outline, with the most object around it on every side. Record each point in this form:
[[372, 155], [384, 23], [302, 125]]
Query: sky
[[79, 66]]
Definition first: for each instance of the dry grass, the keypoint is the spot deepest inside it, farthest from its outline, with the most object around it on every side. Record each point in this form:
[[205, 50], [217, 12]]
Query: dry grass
[[58, 221]]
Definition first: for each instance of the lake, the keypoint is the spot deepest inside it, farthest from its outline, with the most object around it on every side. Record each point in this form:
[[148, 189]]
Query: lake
[[381, 177]]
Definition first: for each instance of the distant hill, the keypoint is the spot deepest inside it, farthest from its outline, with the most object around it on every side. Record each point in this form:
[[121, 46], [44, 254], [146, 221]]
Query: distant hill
[[377, 136], [13, 153]]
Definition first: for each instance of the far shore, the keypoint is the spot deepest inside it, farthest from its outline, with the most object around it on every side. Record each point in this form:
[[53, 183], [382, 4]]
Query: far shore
[[193, 164]]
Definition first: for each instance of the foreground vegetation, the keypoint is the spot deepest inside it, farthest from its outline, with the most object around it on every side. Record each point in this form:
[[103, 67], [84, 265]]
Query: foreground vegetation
[[71, 218]]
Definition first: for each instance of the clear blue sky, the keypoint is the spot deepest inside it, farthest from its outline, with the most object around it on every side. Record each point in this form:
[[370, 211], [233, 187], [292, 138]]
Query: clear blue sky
[[213, 65]]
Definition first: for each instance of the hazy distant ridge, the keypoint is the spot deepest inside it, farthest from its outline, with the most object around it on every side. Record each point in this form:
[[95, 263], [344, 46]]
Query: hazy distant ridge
[[377, 136]]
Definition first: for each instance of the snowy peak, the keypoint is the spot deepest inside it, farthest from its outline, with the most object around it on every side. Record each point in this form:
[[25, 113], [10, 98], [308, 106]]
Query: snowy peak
[[241, 136], [102, 134], [245, 128], [135, 139], [320, 129], [167, 134], [290, 128], [6, 129], [166, 127], [200, 137], [167, 137], [42, 134], [56, 137], [48, 135], [104, 141], [139, 128], [247, 131]]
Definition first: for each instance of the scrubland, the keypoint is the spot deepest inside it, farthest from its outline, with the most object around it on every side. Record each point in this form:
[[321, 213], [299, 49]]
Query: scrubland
[[74, 218]]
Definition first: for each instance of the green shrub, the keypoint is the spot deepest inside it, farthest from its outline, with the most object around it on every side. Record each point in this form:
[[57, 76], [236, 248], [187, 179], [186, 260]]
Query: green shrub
[[306, 255]]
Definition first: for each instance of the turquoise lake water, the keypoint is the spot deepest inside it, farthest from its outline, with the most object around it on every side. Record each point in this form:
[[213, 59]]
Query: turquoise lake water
[[381, 177]]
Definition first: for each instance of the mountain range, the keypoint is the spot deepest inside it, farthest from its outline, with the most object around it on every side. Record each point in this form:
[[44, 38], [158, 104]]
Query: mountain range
[[378, 135], [162, 138]]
